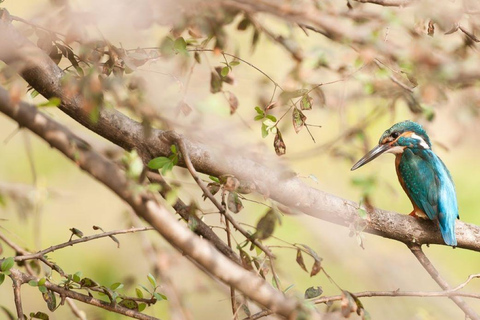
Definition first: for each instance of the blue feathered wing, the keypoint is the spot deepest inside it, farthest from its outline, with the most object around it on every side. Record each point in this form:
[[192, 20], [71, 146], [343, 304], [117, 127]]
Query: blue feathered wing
[[430, 187]]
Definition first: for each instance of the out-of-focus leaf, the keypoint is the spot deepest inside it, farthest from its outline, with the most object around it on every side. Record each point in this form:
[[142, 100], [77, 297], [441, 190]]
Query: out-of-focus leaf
[[167, 47], [76, 232], [233, 102], [243, 24], [139, 293], [129, 304], [39, 315], [224, 72], [2, 278], [116, 285], [7, 264], [246, 260], [159, 296], [317, 266], [279, 144], [298, 119], [141, 307], [234, 203], [350, 303], [287, 95], [196, 55], [313, 292], [52, 102], [9, 314], [50, 299], [215, 82], [152, 280], [88, 283], [266, 225], [213, 187], [158, 163], [306, 103], [180, 45], [300, 261]]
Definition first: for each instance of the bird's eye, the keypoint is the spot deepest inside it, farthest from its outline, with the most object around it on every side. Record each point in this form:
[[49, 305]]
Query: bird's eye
[[395, 135]]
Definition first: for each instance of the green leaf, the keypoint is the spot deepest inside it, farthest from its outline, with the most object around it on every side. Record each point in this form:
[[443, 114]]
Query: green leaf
[[167, 167], [224, 72], [215, 179], [52, 102], [34, 93], [33, 283], [173, 148], [167, 47], [234, 63], [313, 292], [76, 232], [42, 281], [260, 111], [39, 315], [264, 130], [7, 264], [139, 293], [258, 117], [298, 119], [2, 278], [152, 280], [42, 289], [180, 45], [306, 103], [160, 296], [271, 117], [158, 163], [141, 307], [116, 285], [77, 276], [129, 304], [88, 283]]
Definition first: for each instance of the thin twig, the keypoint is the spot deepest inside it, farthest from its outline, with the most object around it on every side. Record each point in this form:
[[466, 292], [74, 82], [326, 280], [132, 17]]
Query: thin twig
[[42, 253], [173, 137], [21, 278], [425, 262]]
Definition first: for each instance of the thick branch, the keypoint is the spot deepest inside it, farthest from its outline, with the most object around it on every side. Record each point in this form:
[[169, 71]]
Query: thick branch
[[105, 171], [274, 181]]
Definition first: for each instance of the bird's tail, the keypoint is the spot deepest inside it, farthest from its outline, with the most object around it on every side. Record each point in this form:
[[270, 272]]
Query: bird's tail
[[448, 232]]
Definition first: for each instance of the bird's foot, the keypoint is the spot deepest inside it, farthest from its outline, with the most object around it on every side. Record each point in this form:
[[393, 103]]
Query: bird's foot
[[418, 215]]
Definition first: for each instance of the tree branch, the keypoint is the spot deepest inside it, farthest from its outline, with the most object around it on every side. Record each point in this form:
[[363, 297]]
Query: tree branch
[[389, 3], [272, 180], [106, 172], [22, 278], [425, 262], [173, 137]]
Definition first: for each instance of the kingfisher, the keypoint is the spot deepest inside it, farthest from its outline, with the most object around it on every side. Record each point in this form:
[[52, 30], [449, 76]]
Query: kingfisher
[[423, 176]]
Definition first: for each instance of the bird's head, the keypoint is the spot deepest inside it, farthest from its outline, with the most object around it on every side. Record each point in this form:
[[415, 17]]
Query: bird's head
[[406, 134]]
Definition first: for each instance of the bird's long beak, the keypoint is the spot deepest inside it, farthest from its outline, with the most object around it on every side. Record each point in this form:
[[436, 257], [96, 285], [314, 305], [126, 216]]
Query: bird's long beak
[[372, 154]]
